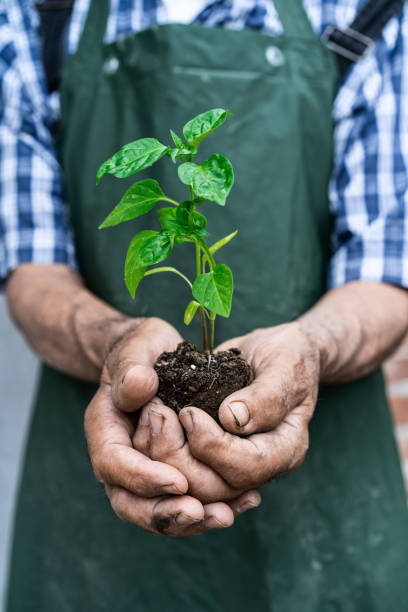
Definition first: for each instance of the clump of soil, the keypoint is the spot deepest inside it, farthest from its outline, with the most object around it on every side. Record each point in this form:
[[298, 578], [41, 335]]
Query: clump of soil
[[188, 377]]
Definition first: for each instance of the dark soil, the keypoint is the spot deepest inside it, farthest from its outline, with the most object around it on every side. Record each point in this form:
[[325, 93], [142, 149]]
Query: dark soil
[[188, 377]]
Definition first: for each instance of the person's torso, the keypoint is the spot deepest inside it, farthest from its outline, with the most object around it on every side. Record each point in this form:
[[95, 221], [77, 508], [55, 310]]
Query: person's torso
[[327, 537]]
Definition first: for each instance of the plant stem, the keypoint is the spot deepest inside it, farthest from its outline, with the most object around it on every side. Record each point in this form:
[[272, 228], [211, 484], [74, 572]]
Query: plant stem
[[208, 253], [171, 201], [204, 328], [198, 272], [212, 330], [202, 313]]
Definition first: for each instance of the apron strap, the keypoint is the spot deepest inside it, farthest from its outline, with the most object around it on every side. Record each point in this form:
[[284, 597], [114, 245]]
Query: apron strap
[[93, 33], [294, 19], [353, 43], [348, 45]]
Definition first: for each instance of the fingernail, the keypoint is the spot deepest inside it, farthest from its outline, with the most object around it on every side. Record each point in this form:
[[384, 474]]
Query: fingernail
[[187, 420], [156, 422], [171, 490], [183, 520], [144, 418], [247, 506], [214, 523], [240, 413]]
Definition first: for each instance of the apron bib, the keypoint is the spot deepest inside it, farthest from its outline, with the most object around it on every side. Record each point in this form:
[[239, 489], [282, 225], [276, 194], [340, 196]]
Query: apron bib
[[331, 537]]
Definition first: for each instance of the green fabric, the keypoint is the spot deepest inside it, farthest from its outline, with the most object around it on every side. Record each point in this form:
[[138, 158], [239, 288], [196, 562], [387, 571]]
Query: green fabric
[[331, 537]]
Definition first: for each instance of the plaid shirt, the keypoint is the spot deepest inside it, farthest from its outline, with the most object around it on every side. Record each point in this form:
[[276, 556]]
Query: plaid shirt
[[368, 190]]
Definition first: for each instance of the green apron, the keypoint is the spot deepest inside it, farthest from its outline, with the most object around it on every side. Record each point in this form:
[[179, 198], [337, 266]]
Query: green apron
[[331, 537]]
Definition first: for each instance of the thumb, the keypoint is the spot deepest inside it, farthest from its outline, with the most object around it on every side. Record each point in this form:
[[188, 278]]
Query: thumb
[[129, 367], [259, 407], [133, 385]]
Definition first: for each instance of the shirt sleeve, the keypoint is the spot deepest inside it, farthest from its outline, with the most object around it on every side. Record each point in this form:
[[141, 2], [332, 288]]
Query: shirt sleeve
[[34, 219], [369, 187]]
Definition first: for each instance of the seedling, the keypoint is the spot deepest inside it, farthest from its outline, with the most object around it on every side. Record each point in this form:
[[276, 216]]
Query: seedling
[[181, 222]]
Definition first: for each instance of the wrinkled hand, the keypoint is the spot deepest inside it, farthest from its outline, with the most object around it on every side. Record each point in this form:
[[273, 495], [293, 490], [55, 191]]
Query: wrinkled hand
[[161, 437], [274, 411], [149, 493]]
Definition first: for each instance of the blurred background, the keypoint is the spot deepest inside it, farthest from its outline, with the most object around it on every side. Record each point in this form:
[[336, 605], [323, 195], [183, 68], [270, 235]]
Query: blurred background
[[17, 381]]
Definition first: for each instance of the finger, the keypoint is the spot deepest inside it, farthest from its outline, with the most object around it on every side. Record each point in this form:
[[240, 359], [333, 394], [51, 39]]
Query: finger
[[221, 515], [262, 405], [142, 435], [116, 462], [246, 501], [217, 516], [251, 462], [167, 437], [159, 516], [168, 444]]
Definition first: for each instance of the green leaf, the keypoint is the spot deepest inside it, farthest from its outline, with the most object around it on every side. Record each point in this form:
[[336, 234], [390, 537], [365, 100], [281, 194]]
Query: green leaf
[[156, 248], [181, 150], [181, 238], [212, 180], [184, 212], [132, 157], [203, 125], [167, 217], [138, 200], [172, 153], [134, 271], [175, 154], [217, 245], [214, 290], [171, 219], [180, 144], [200, 222], [187, 172], [188, 217], [190, 312]]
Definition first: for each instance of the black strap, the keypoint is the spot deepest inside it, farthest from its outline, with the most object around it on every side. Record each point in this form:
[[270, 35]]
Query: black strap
[[352, 43], [54, 18]]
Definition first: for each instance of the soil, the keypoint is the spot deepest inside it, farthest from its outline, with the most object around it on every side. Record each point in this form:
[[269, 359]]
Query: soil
[[189, 377]]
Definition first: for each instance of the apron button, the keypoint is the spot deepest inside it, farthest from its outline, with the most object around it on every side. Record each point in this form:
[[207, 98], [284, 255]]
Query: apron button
[[111, 65], [274, 56]]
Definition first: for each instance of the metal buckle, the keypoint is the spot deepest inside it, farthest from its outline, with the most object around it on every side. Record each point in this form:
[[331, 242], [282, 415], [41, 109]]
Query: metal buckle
[[354, 35]]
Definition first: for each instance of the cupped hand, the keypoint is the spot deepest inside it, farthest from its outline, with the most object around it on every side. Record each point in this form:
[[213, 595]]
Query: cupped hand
[[272, 413], [149, 493], [160, 436]]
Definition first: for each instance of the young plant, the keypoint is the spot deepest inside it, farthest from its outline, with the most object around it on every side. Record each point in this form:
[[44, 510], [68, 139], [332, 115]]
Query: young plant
[[180, 222]]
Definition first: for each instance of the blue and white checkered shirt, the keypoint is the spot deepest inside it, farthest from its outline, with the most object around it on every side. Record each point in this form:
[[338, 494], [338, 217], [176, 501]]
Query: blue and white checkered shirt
[[369, 186]]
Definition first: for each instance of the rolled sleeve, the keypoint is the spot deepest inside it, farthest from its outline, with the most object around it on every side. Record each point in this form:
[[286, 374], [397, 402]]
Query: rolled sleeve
[[369, 185]]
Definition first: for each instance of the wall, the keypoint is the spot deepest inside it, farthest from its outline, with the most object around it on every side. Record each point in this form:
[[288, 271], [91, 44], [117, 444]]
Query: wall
[[397, 375], [17, 374]]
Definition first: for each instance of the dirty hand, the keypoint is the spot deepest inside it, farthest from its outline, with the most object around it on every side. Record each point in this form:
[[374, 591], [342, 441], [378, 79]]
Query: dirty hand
[[160, 436], [146, 492], [273, 412]]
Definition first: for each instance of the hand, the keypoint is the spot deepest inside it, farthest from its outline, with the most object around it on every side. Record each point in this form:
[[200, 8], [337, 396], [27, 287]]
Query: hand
[[279, 403], [148, 493], [160, 436]]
